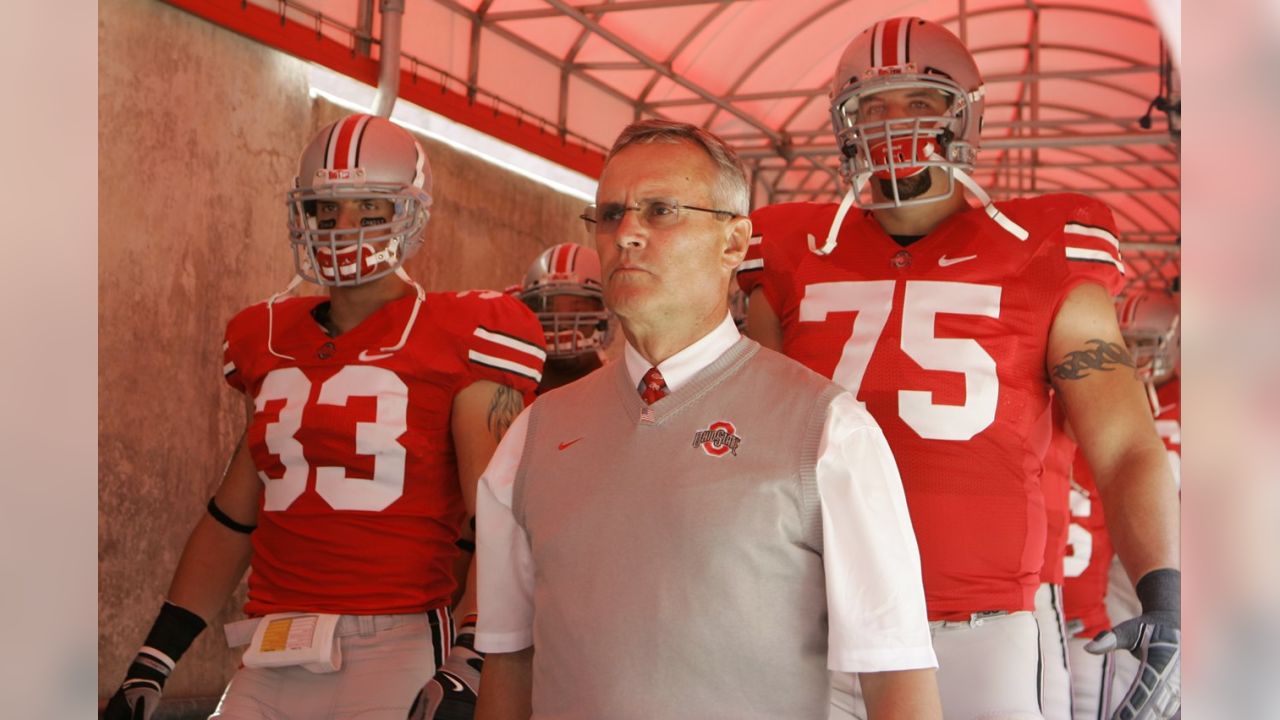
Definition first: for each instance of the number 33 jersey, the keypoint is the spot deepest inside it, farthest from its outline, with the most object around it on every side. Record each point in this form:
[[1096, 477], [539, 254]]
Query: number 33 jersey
[[944, 341], [361, 504]]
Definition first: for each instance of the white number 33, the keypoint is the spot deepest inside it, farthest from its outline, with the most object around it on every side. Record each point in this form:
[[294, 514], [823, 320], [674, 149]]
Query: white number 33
[[378, 438]]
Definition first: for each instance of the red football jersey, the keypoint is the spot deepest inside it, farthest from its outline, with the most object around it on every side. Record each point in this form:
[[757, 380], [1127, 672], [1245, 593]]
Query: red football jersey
[[945, 341], [1056, 483], [1090, 551], [362, 504]]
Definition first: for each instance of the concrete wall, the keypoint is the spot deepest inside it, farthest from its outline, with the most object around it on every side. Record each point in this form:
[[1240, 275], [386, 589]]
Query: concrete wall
[[199, 134]]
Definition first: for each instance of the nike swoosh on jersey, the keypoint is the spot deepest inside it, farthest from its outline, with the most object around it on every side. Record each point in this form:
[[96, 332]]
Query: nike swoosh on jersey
[[564, 445], [366, 357], [945, 261]]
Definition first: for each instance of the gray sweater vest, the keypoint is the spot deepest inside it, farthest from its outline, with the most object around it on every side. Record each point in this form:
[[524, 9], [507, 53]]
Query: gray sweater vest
[[678, 547]]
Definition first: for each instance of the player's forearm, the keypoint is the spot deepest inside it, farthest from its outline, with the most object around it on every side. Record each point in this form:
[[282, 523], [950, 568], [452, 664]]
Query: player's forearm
[[213, 561], [902, 695], [1141, 504], [507, 690]]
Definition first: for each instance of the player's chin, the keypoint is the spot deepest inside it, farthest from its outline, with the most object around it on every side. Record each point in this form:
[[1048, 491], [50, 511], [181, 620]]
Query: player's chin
[[909, 188]]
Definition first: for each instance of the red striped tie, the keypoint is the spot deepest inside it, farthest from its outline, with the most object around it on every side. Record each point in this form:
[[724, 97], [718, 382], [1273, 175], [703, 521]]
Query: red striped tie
[[652, 387]]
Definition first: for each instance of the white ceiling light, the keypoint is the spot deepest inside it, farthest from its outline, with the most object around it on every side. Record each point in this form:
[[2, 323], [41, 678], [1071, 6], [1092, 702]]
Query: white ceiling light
[[355, 95]]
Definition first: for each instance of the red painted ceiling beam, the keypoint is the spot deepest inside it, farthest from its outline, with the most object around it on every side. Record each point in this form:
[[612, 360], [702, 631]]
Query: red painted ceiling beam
[[302, 41]]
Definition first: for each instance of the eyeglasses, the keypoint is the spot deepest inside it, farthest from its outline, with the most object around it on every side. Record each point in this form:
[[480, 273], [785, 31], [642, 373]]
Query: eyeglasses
[[654, 214]]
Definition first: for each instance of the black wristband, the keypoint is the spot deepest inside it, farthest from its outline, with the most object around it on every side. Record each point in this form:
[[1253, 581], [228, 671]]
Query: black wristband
[[174, 630], [223, 518], [1160, 591]]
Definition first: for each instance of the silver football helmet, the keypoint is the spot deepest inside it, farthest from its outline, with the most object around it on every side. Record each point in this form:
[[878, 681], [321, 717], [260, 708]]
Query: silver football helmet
[[359, 159], [558, 275], [1150, 324], [907, 53]]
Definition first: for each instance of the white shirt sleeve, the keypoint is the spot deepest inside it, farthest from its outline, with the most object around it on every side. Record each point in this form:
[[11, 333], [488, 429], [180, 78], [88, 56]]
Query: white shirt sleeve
[[504, 562], [875, 596]]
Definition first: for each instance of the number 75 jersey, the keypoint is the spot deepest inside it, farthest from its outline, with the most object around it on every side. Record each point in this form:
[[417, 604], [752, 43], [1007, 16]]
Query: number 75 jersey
[[944, 341], [361, 504]]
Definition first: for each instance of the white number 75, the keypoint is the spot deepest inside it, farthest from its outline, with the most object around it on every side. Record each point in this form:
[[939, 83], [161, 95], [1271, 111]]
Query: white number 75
[[922, 301]]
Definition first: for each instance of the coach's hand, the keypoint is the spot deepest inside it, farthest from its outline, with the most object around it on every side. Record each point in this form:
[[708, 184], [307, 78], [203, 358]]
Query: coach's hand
[[1155, 639], [451, 693]]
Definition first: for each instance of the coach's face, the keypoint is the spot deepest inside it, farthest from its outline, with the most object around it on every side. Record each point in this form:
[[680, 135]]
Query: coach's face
[[666, 273]]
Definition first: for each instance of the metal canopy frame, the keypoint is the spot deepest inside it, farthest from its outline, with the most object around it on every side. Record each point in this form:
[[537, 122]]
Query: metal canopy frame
[[1045, 131]]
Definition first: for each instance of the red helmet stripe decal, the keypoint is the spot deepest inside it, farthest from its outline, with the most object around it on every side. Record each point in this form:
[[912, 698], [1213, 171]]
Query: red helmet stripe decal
[[1130, 309], [906, 39], [892, 42], [344, 146], [889, 42], [562, 258], [877, 45]]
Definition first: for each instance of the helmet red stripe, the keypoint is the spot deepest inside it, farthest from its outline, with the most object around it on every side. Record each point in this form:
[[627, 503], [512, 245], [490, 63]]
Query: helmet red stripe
[[341, 156], [877, 45], [554, 262], [892, 51], [572, 260]]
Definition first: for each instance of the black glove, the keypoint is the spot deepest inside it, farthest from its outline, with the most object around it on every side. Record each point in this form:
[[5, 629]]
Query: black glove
[[174, 630], [451, 693], [1155, 639]]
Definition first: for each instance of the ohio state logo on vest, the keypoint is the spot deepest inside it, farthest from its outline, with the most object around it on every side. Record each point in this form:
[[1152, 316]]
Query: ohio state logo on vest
[[718, 439]]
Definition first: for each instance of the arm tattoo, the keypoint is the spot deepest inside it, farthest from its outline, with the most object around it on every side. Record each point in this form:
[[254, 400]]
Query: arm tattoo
[[506, 405], [1104, 356]]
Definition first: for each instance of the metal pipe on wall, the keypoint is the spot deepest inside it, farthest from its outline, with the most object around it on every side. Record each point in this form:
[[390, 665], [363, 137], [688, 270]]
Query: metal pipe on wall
[[389, 57]]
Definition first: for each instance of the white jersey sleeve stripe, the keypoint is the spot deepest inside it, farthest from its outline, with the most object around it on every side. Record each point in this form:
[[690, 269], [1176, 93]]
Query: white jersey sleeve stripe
[[757, 264], [1101, 256], [755, 240], [229, 368], [1093, 232], [501, 364], [511, 342]]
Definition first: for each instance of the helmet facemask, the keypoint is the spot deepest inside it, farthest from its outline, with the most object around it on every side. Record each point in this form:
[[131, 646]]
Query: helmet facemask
[[892, 150], [573, 333], [341, 257], [1154, 352]]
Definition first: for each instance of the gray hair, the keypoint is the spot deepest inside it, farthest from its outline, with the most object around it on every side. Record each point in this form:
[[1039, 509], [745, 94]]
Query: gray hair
[[731, 184]]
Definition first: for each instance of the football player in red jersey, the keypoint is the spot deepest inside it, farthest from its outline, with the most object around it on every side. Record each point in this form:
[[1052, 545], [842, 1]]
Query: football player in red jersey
[[1095, 589], [952, 324], [563, 289], [371, 413]]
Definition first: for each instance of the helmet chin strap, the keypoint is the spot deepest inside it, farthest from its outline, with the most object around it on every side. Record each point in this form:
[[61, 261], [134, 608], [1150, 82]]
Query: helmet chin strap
[[988, 206], [843, 210], [297, 279], [859, 180], [420, 296], [413, 316]]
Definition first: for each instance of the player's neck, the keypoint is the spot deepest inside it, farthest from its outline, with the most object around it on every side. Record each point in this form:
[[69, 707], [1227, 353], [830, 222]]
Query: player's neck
[[919, 220], [349, 306]]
